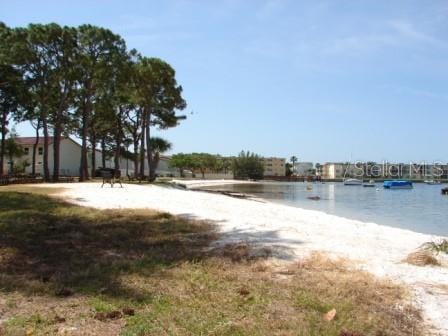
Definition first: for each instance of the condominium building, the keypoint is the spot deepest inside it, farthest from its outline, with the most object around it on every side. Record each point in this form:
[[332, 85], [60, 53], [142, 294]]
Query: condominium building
[[70, 154], [303, 168], [274, 166]]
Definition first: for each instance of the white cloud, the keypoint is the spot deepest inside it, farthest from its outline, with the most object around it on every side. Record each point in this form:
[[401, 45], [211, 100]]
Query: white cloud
[[409, 31], [415, 91]]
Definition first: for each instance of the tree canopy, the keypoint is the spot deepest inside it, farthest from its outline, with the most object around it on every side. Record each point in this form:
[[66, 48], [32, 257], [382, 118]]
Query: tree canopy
[[248, 166], [85, 82]]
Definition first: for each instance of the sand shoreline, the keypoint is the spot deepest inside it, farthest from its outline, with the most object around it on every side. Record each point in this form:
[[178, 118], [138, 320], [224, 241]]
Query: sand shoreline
[[291, 233]]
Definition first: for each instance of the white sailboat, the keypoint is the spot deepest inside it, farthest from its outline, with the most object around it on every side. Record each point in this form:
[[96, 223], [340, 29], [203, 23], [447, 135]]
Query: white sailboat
[[352, 182], [370, 184], [432, 182]]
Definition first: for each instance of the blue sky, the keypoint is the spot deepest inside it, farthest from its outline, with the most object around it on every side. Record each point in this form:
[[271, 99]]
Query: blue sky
[[332, 80]]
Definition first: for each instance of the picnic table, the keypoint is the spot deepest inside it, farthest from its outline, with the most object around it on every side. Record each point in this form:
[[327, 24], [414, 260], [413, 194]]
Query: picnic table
[[110, 176]]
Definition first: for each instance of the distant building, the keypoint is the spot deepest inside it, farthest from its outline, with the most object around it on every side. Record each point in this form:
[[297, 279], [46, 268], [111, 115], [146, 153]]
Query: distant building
[[332, 170], [274, 166], [70, 156], [303, 168], [164, 169]]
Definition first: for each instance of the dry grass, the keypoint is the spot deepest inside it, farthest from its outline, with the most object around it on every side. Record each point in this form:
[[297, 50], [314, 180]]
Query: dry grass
[[32, 188], [79, 271], [422, 258]]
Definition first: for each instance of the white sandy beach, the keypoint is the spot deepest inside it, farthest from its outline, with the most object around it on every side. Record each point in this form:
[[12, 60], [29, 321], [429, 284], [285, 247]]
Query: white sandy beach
[[291, 233]]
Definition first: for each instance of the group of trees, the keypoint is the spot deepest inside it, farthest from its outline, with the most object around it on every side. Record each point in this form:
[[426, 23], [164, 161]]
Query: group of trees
[[200, 162], [83, 81], [245, 166], [248, 166]]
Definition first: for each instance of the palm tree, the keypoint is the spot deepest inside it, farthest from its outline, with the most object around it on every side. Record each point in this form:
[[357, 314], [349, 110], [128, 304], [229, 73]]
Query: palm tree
[[158, 146], [293, 159], [13, 150]]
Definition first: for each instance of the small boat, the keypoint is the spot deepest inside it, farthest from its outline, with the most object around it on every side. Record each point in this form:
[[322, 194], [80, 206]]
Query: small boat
[[352, 182], [432, 182], [309, 188], [398, 184], [369, 184], [445, 191], [314, 198]]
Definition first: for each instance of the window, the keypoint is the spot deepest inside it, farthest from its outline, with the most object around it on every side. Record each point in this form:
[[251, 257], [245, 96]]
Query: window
[[41, 150], [26, 150]]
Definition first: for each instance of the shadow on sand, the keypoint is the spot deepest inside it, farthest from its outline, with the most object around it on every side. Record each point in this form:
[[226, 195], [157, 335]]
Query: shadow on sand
[[55, 248]]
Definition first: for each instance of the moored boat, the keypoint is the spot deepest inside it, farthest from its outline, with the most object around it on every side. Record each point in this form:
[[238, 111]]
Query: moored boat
[[432, 182], [398, 184], [369, 184], [352, 182]]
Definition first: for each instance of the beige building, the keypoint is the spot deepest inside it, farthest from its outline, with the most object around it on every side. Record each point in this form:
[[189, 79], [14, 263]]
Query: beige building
[[333, 170], [70, 156], [274, 166]]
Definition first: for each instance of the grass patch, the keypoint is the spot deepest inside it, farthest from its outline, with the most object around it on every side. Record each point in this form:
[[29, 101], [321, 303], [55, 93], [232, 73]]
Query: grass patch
[[35, 189], [437, 247], [146, 273]]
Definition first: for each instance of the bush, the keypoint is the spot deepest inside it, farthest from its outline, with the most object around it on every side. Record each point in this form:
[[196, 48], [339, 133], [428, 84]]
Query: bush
[[441, 246], [248, 166]]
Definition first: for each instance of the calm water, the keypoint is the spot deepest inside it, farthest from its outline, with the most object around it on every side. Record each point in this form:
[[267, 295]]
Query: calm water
[[422, 209]]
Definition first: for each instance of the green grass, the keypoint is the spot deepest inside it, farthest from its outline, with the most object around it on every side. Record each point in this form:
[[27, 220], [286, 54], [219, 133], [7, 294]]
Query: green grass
[[61, 265], [437, 247]]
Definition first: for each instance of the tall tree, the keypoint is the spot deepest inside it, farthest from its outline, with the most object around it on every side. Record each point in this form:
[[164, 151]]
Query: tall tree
[[99, 52], [10, 82], [11, 90], [63, 78], [43, 55], [159, 96]]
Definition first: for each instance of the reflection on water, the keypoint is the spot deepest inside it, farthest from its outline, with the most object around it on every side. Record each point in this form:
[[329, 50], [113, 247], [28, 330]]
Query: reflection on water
[[421, 209]]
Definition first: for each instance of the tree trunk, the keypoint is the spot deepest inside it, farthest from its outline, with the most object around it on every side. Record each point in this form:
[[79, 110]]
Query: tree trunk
[[142, 147], [152, 173], [136, 152], [103, 152], [118, 141], [83, 164], [36, 143], [3, 143], [56, 151], [93, 143], [46, 141]]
